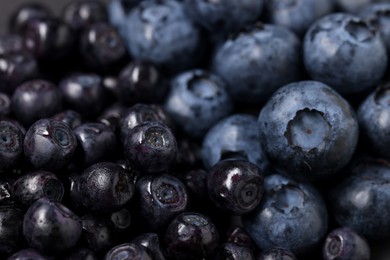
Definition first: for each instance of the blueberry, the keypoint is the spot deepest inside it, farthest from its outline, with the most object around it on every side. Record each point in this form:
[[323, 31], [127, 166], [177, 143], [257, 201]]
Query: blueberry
[[70, 117], [276, 254], [372, 115], [345, 52], [35, 99], [121, 220], [161, 32], [11, 144], [25, 13], [345, 243], [16, 69], [161, 198], [97, 233], [360, 200], [196, 101], [50, 226], [308, 130], [11, 43], [141, 82], [28, 254], [297, 15], [5, 105], [104, 187], [11, 222], [49, 144], [291, 215], [128, 251], [152, 242], [234, 136], [257, 61], [239, 236], [111, 117], [102, 48], [150, 147], [235, 186], [352, 6], [96, 142], [233, 251], [191, 236], [82, 13], [84, 93], [224, 16], [35, 185]]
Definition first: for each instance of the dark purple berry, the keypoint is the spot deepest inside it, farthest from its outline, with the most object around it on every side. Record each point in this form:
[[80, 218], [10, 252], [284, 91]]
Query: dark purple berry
[[51, 227], [70, 117], [49, 144], [128, 251], [120, 220], [11, 144], [150, 147], [152, 242], [25, 13], [97, 233], [28, 254], [233, 251], [5, 105], [276, 254]]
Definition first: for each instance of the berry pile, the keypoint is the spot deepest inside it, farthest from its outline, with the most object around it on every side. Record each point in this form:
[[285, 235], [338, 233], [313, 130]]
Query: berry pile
[[193, 129]]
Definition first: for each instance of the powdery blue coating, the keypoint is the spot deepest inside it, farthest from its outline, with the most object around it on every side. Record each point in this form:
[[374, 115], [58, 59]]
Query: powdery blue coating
[[161, 32], [258, 61], [237, 133], [344, 52], [292, 215], [197, 100], [361, 201], [289, 132], [297, 15], [224, 16], [374, 120]]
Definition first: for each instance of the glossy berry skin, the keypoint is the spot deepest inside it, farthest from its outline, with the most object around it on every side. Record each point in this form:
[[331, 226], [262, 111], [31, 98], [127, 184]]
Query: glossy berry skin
[[48, 39], [291, 215], [235, 186], [140, 113], [83, 13], [104, 187], [11, 221], [35, 185], [233, 251], [28, 253], [102, 48], [377, 15], [49, 144], [25, 13], [162, 33], [372, 115], [357, 51], [51, 227], [97, 233], [150, 147], [276, 254], [152, 242], [360, 201], [11, 144], [141, 82], [250, 62], [16, 68], [191, 236], [111, 117], [297, 15], [234, 136], [224, 16], [344, 243], [196, 101], [11, 43], [128, 251], [35, 99], [161, 198], [70, 117], [96, 143], [84, 93], [311, 139]]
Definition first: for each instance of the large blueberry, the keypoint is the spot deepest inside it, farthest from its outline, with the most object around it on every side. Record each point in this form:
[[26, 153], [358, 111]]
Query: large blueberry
[[197, 100], [224, 16], [234, 136], [345, 52], [361, 200], [292, 215], [51, 227], [308, 130], [161, 32], [257, 61]]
